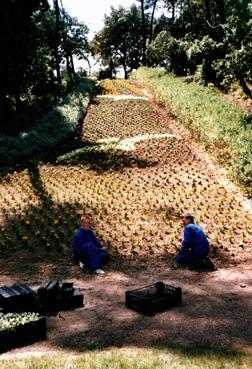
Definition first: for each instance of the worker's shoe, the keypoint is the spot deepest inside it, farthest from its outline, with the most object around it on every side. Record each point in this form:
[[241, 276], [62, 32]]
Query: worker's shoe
[[99, 271], [81, 264]]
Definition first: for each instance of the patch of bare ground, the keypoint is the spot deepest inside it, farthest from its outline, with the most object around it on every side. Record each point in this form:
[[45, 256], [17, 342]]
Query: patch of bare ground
[[216, 309]]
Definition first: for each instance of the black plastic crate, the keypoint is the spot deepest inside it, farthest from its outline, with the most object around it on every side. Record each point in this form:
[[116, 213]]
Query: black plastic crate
[[17, 297], [71, 302], [153, 298], [23, 334], [54, 297], [48, 292], [67, 290]]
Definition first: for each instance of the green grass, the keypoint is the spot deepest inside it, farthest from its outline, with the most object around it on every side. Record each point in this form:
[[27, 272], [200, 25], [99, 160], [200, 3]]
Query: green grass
[[223, 128], [173, 357]]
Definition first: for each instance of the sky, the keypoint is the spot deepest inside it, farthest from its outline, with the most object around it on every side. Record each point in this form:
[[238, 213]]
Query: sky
[[91, 12]]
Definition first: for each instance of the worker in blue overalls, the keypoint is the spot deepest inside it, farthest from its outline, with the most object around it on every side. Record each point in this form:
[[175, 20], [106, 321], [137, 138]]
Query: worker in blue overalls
[[195, 246], [87, 249]]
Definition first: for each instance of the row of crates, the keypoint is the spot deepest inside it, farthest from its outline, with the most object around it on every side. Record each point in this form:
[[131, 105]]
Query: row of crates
[[51, 295]]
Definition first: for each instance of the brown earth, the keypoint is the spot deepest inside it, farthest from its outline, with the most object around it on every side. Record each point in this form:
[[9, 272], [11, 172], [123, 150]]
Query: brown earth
[[216, 308]]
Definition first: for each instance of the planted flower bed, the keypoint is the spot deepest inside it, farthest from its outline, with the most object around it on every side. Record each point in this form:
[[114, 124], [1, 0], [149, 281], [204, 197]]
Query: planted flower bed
[[21, 328], [134, 177]]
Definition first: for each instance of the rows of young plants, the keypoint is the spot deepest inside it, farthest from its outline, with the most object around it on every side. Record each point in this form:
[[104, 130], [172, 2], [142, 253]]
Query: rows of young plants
[[224, 128], [11, 321], [120, 87], [134, 177]]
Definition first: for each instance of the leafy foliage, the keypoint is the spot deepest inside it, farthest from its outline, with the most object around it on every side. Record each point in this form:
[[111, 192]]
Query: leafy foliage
[[29, 86], [119, 43], [208, 38], [51, 129], [212, 37]]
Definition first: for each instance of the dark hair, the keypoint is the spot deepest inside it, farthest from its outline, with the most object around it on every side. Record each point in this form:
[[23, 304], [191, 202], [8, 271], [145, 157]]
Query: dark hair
[[189, 217]]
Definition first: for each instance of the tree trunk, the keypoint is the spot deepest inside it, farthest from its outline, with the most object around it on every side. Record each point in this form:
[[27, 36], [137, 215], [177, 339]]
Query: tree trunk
[[111, 67], [173, 3], [72, 64], [207, 11], [69, 70], [221, 10], [152, 19], [89, 65], [57, 41], [17, 98], [143, 32], [125, 71], [243, 84]]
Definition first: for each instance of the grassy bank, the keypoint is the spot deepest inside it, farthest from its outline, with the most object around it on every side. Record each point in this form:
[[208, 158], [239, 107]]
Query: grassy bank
[[51, 129], [223, 128], [175, 357]]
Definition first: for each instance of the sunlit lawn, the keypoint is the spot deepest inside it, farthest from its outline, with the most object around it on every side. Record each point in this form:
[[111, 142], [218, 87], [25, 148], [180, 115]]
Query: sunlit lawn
[[174, 357]]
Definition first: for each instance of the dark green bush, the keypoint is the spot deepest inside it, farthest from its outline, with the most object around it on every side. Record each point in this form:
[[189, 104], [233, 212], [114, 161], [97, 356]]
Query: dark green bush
[[50, 130]]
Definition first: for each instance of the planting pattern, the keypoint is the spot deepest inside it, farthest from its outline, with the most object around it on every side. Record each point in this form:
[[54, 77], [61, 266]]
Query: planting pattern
[[133, 176]]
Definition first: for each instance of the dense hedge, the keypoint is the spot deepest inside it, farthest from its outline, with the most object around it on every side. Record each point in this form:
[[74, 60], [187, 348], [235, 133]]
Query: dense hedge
[[223, 128], [51, 129]]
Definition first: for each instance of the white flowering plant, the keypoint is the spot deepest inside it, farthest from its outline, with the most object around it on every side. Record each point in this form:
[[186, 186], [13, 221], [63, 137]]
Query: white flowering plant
[[11, 321]]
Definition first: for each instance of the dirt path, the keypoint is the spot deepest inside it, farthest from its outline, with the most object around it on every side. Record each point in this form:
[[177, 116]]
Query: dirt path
[[216, 310]]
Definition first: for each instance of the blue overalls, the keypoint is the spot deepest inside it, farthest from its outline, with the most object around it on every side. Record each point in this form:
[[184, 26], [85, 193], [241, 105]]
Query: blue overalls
[[195, 245], [87, 249]]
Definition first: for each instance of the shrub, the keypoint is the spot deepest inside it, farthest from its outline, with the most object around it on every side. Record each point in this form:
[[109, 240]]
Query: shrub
[[223, 128], [51, 129]]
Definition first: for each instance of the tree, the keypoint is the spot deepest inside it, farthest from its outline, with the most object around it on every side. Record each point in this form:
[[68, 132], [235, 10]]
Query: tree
[[22, 45], [120, 42], [57, 40], [31, 53], [210, 36], [74, 42]]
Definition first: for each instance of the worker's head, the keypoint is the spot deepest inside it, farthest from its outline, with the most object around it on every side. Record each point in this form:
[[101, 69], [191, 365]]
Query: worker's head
[[85, 222], [187, 219]]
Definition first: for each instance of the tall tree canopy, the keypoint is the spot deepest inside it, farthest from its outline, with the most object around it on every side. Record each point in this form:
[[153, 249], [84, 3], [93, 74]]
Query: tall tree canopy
[[120, 42], [209, 38], [36, 41]]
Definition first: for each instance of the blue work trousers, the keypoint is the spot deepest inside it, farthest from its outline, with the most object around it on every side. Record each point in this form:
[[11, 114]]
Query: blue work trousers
[[191, 256], [92, 256]]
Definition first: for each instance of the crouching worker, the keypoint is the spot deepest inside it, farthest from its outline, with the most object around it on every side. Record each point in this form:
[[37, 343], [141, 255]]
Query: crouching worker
[[87, 249], [195, 246]]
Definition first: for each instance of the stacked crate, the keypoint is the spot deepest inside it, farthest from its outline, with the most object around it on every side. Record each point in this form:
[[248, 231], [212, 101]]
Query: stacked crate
[[53, 296]]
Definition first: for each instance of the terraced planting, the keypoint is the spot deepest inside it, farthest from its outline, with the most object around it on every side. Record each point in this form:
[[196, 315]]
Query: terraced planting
[[134, 176]]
